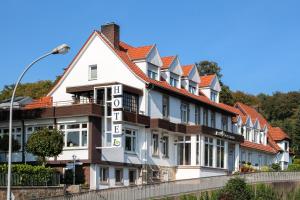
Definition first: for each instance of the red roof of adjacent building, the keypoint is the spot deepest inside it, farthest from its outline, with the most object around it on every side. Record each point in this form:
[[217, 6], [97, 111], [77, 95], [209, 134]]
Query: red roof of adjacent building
[[187, 69], [206, 80], [167, 61], [261, 147], [278, 134]]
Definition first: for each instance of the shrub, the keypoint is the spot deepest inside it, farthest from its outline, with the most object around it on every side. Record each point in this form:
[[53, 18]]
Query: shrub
[[29, 174], [247, 168], [276, 167], [296, 161], [266, 169], [293, 167], [188, 197], [236, 189], [265, 192]]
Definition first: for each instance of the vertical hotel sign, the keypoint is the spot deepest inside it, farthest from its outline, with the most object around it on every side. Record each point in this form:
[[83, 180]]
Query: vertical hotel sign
[[117, 105]]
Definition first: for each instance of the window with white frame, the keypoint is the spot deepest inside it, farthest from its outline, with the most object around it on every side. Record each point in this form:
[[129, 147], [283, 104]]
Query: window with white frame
[[119, 176], [197, 115], [155, 143], [16, 135], [152, 74], [104, 174], [130, 140], [213, 96], [184, 150], [165, 146], [224, 123], [205, 117], [75, 135], [93, 72], [165, 106], [173, 80], [213, 119], [220, 153], [248, 129], [184, 108], [132, 176], [197, 149], [208, 151], [192, 89], [255, 138]]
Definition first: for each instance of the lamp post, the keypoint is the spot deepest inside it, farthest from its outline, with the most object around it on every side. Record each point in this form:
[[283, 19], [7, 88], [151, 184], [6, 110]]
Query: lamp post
[[62, 49]]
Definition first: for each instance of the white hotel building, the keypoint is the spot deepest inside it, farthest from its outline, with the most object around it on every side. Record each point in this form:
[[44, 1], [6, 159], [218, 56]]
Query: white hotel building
[[131, 116]]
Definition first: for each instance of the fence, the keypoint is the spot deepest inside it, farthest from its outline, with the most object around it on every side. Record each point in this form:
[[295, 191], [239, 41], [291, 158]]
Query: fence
[[173, 188], [31, 179]]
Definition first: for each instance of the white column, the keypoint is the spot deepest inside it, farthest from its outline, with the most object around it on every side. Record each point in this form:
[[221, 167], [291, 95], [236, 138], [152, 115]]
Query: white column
[[94, 176], [126, 177], [193, 150], [112, 179], [237, 157], [202, 147], [215, 152], [226, 154]]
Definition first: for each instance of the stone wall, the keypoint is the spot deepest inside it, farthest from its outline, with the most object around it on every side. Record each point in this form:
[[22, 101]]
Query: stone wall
[[28, 193]]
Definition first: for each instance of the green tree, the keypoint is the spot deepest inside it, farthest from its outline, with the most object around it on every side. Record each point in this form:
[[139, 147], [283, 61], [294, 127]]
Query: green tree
[[245, 98], [4, 143], [226, 95], [209, 67], [265, 192], [45, 143]]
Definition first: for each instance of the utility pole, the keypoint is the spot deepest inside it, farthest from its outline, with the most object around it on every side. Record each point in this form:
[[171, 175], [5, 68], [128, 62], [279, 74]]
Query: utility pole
[[74, 168]]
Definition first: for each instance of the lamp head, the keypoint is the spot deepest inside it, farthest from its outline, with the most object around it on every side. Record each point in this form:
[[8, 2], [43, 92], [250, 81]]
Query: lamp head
[[61, 49]]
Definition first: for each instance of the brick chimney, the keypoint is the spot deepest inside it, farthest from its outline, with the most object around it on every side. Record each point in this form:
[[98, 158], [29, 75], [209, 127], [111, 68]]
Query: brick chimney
[[112, 33]]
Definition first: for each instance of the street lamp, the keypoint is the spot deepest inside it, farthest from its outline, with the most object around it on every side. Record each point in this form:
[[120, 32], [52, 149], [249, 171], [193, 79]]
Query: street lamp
[[61, 49]]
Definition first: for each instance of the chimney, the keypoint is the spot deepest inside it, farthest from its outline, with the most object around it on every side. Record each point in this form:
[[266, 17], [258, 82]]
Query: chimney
[[112, 33]]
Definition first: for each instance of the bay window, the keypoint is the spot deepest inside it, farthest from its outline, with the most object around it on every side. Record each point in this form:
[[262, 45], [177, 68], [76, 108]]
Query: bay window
[[75, 135], [130, 102], [184, 150], [208, 151]]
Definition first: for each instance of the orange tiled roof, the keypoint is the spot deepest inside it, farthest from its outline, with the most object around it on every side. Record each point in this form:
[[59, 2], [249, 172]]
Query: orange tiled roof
[[206, 80], [278, 134], [136, 53], [123, 54], [187, 69], [253, 114], [167, 61], [261, 147]]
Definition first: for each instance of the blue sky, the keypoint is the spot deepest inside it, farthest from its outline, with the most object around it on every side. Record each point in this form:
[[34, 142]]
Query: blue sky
[[255, 42]]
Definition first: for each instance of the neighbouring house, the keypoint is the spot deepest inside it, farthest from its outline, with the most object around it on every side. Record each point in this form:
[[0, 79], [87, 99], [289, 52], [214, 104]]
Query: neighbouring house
[[131, 116]]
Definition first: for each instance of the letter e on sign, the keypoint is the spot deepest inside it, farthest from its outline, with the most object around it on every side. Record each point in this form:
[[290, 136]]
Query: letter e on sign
[[117, 90], [117, 102], [117, 128]]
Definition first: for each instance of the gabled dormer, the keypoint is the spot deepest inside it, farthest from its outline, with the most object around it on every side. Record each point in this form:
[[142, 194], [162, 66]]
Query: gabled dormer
[[190, 79], [148, 59], [210, 86], [171, 70]]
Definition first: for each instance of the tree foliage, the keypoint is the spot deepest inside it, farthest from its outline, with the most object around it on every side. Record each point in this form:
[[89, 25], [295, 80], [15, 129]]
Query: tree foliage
[[236, 189], [45, 143], [209, 67], [4, 140]]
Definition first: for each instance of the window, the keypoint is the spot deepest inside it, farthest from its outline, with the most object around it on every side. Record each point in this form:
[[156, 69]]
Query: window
[[208, 151], [197, 149], [184, 113], [248, 133], [130, 140], [173, 82], [165, 146], [255, 138], [205, 117], [155, 144], [213, 96], [152, 74], [130, 102], [165, 106], [119, 176], [250, 157], [197, 115], [104, 173], [75, 135], [132, 176], [192, 89], [224, 123], [93, 72], [213, 120], [184, 150], [286, 146], [220, 153]]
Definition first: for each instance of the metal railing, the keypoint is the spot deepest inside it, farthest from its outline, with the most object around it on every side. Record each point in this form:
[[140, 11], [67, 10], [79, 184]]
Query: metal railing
[[178, 187], [31, 179]]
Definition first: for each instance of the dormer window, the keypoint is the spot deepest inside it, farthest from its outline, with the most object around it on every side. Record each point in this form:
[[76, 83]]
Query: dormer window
[[152, 74], [213, 96], [173, 81], [192, 89]]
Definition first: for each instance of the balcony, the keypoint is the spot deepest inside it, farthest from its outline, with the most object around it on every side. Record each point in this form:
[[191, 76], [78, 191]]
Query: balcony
[[136, 118]]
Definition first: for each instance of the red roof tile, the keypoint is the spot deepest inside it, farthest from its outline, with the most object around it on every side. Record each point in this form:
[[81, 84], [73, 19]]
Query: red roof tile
[[167, 61], [136, 53], [206, 80], [261, 147], [278, 134], [187, 69]]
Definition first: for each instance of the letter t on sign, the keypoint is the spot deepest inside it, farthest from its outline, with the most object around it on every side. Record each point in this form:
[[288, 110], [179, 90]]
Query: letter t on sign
[[117, 116], [117, 90]]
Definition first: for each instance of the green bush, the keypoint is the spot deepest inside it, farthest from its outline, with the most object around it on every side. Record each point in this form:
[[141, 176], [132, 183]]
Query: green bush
[[265, 192], [266, 169], [236, 189], [276, 167], [296, 161], [24, 174], [293, 167], [188, 197]]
